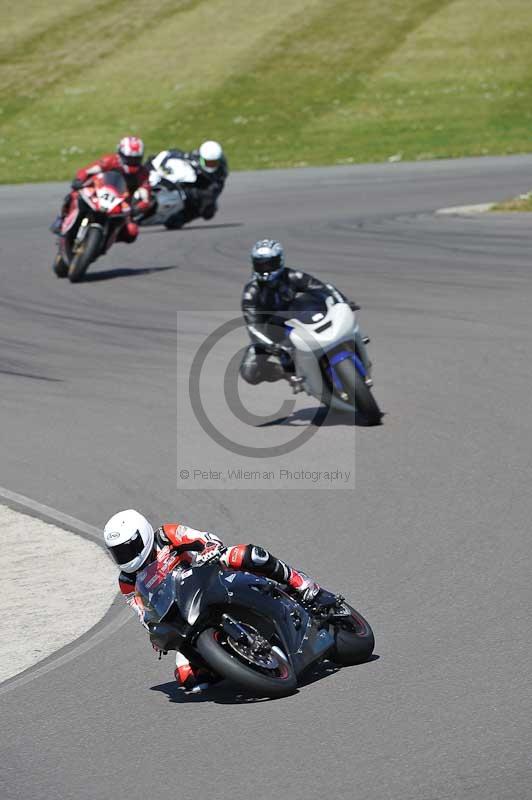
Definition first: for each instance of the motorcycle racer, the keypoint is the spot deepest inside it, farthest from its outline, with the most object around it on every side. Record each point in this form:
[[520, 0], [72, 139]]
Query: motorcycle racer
[[271, 291], [128, 161], [210, 165], [133, 544]]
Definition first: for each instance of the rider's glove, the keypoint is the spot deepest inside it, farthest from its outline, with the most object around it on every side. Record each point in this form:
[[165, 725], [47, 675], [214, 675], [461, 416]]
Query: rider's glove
[[77, 183], [317, 597], [325, 599], [136, 213], [277, 349], [309, 594], [353, 306], [212, 552]]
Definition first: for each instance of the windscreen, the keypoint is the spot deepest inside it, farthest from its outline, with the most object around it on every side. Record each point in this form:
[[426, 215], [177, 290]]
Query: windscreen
[[116, 180], [157, 595], [308, 308]]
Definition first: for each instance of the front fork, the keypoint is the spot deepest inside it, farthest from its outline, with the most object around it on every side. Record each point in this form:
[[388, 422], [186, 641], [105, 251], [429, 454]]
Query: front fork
[[361, 342], [81, 233]]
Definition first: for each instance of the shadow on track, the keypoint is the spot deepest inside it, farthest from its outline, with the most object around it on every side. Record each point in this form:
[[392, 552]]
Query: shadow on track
[[221, 694], [225, 694], [214, 226], [30, 375], [123, 272], [320, 417]]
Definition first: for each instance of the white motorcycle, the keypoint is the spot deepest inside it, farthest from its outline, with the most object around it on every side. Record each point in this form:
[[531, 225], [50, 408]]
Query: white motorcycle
[[169, 178], [329, 353]]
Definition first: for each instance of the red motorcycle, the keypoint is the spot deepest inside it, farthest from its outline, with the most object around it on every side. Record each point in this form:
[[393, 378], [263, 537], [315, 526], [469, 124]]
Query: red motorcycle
[[92, 223]]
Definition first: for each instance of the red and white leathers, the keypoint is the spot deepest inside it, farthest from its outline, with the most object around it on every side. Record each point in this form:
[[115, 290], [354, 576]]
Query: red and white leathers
[[137, 183], [246, 557]]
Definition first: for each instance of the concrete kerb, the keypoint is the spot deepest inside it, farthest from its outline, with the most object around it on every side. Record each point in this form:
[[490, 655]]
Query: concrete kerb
[[480, 208], [114, 618]]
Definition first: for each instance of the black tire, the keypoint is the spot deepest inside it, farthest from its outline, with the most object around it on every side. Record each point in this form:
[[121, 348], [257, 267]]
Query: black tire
[[359, 394], [175, 222], [88, 252], [353, 640], [227, 664], [59, 266]]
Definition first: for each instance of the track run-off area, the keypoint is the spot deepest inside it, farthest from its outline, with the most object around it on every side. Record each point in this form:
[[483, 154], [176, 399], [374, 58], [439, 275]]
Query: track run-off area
[[432, 544]]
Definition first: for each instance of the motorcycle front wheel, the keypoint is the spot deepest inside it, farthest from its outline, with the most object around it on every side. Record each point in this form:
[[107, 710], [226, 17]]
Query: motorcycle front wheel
[[358, 393], [175, 222], [88, 252], [353, 638], [262, 671]]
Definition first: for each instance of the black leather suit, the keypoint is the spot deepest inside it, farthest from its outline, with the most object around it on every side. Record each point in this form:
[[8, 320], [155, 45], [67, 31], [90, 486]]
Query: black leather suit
[[261, 303]]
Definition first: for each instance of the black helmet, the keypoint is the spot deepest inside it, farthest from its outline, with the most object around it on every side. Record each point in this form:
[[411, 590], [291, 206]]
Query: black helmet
[[267, 258]]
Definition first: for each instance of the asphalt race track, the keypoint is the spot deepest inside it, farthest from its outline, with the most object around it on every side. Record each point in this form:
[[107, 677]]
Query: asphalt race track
[[432, 545]]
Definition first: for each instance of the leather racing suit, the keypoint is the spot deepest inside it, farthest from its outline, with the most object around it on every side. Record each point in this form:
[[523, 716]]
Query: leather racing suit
[[261, 302]]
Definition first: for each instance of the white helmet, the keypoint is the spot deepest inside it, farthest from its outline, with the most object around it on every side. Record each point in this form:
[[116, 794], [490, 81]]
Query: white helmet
[[129, 538], [210, 156]]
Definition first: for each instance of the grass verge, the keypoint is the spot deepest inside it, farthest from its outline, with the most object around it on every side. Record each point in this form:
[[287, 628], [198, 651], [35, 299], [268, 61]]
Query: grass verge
[[288, 83], [523, 203]]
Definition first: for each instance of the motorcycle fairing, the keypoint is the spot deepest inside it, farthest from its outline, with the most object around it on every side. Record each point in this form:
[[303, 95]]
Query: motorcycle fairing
[[103, 204], [201, 590], [312, 341], [167, 175], [170, 201], [175, 170]]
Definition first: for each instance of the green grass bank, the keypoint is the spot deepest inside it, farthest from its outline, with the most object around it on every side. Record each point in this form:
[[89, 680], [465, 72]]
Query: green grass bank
[[523, 203], [290, 83]]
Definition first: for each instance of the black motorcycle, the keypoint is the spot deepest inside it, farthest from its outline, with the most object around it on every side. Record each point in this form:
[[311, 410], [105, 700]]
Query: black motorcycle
[[247, 628]]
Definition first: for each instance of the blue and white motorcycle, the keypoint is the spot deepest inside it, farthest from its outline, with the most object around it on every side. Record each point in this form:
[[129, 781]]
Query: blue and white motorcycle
[[329, 354]]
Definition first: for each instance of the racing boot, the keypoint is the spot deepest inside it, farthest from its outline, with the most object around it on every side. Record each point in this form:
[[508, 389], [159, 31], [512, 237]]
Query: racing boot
[[306, 588], [193, 680], [311, 593], [288, 367], [296, 383], [56, 225]]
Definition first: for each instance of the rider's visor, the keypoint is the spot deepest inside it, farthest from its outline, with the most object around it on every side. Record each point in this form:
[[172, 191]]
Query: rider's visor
[[211, 164], [266, 265], [131, 161], [127, 551]]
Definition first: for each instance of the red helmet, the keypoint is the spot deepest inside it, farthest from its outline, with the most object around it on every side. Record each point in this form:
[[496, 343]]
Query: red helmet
[[131, 152]]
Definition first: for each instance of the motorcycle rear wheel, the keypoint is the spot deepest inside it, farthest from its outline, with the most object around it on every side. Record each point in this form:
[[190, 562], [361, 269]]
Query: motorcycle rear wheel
[[88, 252], [353, 639], [359, 394], [220, 653]]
